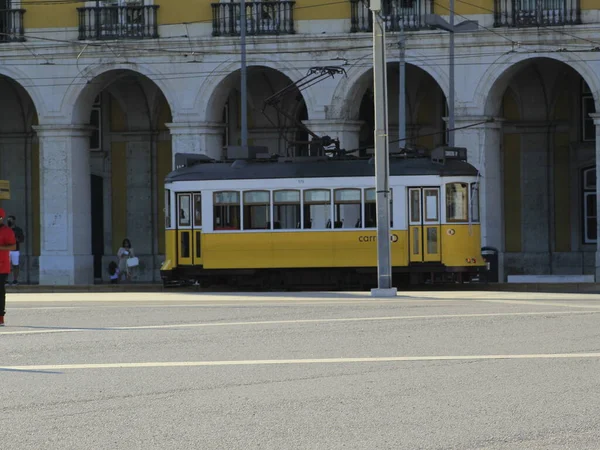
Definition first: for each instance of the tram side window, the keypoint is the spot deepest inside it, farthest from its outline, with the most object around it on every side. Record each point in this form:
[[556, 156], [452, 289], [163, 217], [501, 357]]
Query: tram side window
[[198, 210], [457, 201], [371, 208], [167, 210], [475, 202], [257, 210], [227, 210], [317, 209], [347, 208], [286, 210]]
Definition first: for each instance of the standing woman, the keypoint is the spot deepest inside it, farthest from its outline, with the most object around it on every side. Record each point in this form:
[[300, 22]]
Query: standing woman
[[8, 243], [124, 253]]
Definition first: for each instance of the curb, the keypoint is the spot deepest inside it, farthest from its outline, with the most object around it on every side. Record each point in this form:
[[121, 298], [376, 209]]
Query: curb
[[582, 288]]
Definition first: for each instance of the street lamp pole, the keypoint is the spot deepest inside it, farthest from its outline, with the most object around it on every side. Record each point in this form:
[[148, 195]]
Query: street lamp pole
[[435, 21], [402, 88], [243, 73], [382, 175], [451, 81]]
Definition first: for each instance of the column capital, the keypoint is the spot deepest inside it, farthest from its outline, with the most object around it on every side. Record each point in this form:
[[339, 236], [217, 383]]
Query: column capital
[[596, 117], [195, 128], [63, 130]]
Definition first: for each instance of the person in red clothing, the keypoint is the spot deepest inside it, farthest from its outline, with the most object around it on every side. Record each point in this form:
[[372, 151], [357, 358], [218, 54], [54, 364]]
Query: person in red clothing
[[8, 242]]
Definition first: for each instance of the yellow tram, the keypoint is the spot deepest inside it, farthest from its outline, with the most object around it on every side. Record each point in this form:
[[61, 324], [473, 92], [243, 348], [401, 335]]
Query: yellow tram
[[287, 222]]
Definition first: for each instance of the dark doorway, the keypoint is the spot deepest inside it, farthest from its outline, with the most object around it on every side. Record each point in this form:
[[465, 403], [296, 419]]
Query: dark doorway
[[97, 224]]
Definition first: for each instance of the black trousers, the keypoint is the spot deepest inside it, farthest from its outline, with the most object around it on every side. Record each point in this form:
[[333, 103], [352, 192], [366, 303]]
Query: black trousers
[[3, 278]]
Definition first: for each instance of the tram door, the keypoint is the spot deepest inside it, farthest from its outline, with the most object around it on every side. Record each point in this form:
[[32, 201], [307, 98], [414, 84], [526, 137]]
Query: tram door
[[189, 229], [424, 226]]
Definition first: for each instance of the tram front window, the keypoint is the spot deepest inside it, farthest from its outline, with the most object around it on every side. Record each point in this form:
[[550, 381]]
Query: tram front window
[[475, 202], [167, 209], [457, 200]]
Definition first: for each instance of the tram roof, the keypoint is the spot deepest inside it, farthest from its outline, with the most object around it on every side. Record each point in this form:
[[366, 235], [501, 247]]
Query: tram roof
[[324, 168]]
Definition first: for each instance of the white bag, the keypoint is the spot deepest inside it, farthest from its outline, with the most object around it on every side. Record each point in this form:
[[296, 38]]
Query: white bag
[[133, 262]]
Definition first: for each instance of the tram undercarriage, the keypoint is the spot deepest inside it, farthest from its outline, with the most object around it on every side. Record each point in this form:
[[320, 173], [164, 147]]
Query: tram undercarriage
[[362, 278]]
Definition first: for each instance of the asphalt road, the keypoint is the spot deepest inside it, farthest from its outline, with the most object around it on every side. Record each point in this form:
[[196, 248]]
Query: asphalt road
[[462, 370]]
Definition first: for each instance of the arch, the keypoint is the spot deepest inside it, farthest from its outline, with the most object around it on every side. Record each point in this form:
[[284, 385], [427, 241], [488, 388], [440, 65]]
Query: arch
[[351, 88], [28, 86], [493, 83], [218, 83], [95, 78]]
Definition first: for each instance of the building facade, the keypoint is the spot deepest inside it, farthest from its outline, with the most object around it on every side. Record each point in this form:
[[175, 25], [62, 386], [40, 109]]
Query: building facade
[[96, 98]]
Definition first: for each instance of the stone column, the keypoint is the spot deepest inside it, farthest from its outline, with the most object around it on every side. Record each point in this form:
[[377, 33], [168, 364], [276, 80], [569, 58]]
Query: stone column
[[482, 141], [201, 138], [347, 131], [537, 197], [66, 233], [596, 118]]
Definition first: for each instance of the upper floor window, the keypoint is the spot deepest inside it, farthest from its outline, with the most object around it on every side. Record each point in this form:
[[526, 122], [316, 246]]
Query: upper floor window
[[396, 14], [115, 19], [11, 21], [536, 13], [588, 106], [262, 17]]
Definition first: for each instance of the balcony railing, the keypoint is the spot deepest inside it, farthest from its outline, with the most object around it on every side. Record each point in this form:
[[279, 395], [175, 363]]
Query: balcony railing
[[536, 13], [268, 17], [11, 25], [411, 13], [118, 22]]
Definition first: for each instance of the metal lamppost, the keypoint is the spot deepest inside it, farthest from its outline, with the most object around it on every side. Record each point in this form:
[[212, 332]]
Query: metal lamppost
[[435, 21], [243, 73], [382, 173], [402, 87]]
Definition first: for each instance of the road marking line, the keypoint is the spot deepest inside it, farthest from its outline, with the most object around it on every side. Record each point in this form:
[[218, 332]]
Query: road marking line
[[537, 303], [296, 321], [297, 361], [57, 330], [126, 304], [45, 308], [245, 300]]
